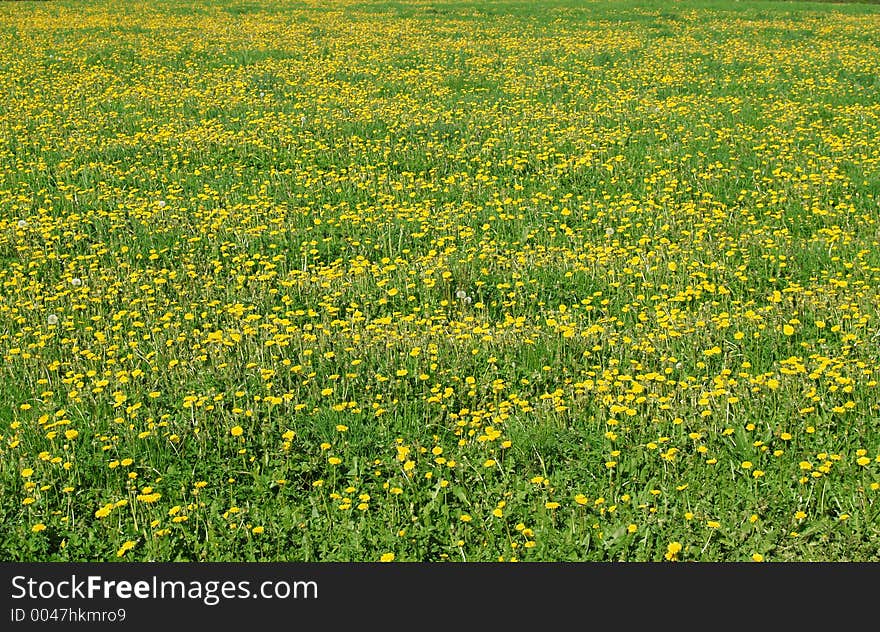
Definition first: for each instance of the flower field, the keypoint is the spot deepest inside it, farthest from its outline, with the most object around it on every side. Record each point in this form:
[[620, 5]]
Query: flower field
[[439, 280]]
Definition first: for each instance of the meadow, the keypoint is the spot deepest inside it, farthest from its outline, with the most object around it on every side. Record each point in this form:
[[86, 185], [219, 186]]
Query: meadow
[[439, 280]]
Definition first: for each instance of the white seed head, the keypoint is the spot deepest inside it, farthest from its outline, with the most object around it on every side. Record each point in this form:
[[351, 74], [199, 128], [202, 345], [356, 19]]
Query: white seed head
[[609, 231], [76, 282], [160, 203], [461, 294], [22, 223], [52, 319]]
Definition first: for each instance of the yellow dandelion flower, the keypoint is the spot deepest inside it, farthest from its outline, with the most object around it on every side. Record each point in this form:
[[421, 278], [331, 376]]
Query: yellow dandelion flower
[[672, 551], [125, 548]]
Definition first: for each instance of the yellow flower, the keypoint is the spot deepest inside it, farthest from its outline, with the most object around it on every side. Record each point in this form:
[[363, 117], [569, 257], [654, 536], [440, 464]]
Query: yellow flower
[[466, 518], [387, 557], [257, 530], [863, 461], [672, 551], [125, 548], [236, 431], [581, 499], [27, 472], [757, 557], [38, 527], [551, 505], [70, 435]]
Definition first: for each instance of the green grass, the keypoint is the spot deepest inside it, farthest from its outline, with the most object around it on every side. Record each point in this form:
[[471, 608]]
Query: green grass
[[449, 280]]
